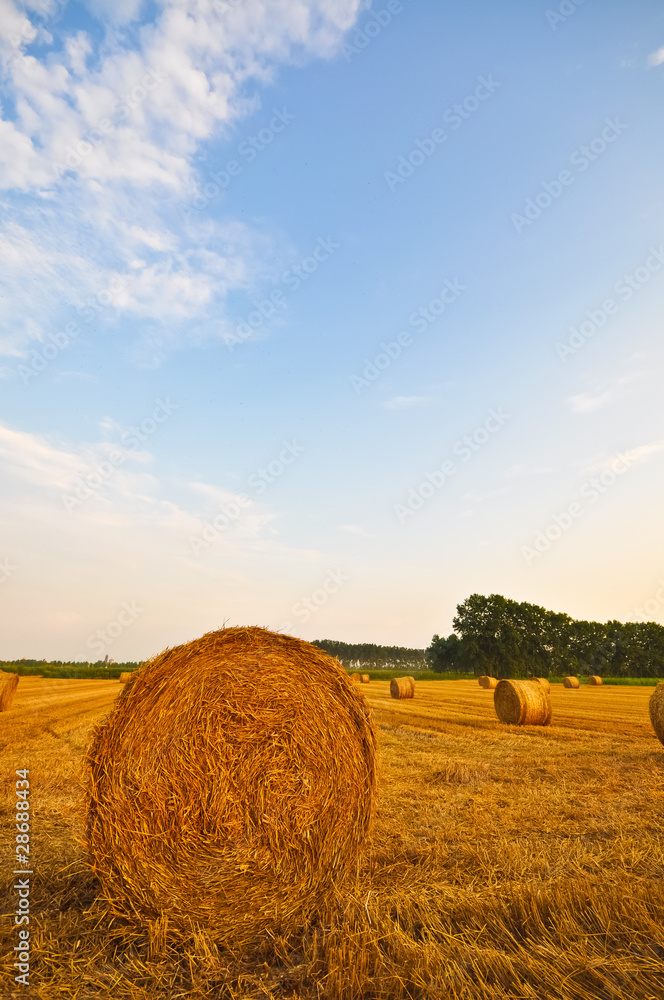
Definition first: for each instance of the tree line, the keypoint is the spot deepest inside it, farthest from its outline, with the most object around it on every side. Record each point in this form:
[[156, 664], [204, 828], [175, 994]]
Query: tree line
[[368, 654], [504, 638]]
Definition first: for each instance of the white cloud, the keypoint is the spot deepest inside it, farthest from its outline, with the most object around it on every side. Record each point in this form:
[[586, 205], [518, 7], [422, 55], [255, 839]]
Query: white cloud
[[656, 58], [404, 402]]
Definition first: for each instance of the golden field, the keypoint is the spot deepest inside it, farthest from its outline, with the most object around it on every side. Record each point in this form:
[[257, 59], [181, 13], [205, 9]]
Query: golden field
[[504, 862]]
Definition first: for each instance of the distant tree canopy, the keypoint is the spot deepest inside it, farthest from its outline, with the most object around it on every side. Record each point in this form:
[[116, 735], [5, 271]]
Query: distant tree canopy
[[367, 654], [504, 638]]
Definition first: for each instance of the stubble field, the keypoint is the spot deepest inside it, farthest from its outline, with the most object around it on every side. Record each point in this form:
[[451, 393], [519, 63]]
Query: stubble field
[[504, 862]]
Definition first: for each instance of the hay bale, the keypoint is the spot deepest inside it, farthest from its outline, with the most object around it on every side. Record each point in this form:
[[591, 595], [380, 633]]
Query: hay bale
[[231, 787], [365, 678], [356, 678], [521, 703], [594, 679], [488, 682], [571, 682], [8, 685], [126, 676], [543, 682], [402, 687], [656, 709]]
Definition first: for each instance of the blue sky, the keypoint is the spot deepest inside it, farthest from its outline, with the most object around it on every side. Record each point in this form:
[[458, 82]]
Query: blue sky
[[323, 315]]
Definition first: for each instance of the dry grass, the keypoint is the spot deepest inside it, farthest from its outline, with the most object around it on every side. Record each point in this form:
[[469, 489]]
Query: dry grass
[[8, 685], [571, 682], [524, 863], [522, 703], [209, 792]]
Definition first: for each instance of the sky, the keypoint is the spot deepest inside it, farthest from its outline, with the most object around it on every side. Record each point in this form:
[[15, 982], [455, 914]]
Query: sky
[[323, 315]]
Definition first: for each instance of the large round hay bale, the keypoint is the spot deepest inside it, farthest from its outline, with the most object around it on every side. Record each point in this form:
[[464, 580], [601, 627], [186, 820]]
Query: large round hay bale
[[126, 676], [522, 703], [543, 682], [8, 685], [365, 678], [594, 679], [571, 682], [402, 687], [488, 682], [231, 787], [656, 708]]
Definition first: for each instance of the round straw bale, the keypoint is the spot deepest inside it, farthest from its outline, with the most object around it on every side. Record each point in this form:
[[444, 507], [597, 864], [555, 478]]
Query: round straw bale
[[402, 687], [521, 703], [356, 678], [543, 682], [365, 678], [481, 680], [571, 682], [231, 787], [8, 685], [488, 682], [656, 707], [594, 679], [125, 676]]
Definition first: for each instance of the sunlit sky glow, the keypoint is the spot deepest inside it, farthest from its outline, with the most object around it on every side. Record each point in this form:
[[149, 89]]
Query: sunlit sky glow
[[322, 315]]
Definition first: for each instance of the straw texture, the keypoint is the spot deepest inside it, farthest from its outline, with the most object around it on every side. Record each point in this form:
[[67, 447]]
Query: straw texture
[[522, 703], [571, 682], [543, 682], [594, 680], [8, 685], [231, 787], [402, 687], [656, 708]]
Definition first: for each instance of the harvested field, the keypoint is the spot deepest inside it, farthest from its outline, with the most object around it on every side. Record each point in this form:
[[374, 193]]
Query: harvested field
[[504, 863]]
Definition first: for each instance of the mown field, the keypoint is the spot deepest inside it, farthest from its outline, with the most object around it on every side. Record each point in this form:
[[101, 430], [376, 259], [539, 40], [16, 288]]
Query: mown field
[[504, 863]]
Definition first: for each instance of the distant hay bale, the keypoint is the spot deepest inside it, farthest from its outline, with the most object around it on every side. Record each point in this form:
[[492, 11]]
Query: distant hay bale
[[402, 687], [8, 685], [656, 708], [543, 682], [594, 679], [126, 676], [521, 703], [488, 682], [231, 787], [571, 682], [365, 678], [356, 678]]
